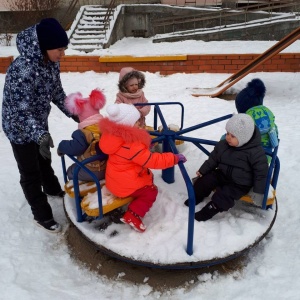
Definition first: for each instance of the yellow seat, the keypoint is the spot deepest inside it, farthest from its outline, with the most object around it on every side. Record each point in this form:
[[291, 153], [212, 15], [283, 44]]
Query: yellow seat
[[94, 211], [270, 200], [84, 188], [89, 203], [149, 128]]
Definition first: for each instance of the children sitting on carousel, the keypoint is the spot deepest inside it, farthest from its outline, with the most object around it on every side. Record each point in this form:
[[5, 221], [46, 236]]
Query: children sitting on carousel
[[85, 140]]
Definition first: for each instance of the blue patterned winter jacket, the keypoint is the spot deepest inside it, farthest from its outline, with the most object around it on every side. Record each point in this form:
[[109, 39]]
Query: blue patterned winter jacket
[[30, 87]]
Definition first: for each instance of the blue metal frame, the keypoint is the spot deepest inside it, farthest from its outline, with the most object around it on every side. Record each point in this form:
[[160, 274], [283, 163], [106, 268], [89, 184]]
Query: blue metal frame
[[80, 216], [167, 138], [272, 177]]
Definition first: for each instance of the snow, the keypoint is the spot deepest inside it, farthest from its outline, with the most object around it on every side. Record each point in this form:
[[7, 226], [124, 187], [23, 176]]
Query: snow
[[145, 47], [37, 265]]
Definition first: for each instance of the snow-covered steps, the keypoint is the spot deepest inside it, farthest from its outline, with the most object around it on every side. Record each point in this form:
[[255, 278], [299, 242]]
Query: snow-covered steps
[[89, 28]]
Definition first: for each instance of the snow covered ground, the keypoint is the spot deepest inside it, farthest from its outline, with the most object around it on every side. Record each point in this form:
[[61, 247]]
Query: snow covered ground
[[36, 265]]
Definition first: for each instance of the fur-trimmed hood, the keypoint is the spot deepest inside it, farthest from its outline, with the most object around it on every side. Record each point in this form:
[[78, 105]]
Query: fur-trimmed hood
[[131, 74], [124, 134], [129, 158]]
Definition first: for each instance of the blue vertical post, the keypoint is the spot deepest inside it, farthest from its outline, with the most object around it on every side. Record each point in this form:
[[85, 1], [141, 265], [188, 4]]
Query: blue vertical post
[[167, 174]]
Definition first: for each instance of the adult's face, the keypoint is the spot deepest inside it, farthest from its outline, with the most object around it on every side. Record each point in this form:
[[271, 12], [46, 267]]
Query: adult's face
[[56, 54]]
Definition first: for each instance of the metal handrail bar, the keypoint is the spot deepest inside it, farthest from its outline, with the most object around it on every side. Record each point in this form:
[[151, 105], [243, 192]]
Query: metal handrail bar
[[71, 7], [253, 6], [224, 13], [110, 8]]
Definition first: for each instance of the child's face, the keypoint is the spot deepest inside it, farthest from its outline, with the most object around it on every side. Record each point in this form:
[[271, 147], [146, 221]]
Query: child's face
[[132, 85], [231, 140]]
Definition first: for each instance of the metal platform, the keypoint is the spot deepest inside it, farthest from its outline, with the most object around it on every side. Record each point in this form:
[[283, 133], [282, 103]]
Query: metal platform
[[123, 243]]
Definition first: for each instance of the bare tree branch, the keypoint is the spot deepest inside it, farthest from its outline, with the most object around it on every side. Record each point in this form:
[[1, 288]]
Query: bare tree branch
[[31, 5]]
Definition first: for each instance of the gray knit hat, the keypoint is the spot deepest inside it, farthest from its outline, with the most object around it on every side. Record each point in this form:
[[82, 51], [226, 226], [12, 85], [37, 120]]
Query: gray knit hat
[[242, 127]]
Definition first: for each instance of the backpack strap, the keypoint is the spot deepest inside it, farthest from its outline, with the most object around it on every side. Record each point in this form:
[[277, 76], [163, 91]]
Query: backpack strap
[[92, 138]]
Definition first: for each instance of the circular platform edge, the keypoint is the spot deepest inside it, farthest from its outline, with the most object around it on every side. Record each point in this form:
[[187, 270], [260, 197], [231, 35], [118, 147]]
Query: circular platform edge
[[179, 266]]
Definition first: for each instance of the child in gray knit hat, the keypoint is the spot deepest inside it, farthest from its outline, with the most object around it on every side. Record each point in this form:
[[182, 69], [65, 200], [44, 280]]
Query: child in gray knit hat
[[237, 164]]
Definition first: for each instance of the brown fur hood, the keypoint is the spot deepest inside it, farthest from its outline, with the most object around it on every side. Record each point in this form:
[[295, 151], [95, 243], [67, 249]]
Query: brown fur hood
[[132, 74]]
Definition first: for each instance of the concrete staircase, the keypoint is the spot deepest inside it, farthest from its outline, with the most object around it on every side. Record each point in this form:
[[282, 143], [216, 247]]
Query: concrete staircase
[[89, 29]]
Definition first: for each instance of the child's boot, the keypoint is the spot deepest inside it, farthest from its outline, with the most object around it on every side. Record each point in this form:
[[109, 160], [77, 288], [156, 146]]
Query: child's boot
[[197, 201], [207, 212], [133, 220]]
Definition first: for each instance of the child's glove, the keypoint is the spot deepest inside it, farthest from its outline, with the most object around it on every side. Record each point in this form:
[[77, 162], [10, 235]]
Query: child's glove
[[59, 153], [180, 157], [257, 198], [45, 142], [195, 179]]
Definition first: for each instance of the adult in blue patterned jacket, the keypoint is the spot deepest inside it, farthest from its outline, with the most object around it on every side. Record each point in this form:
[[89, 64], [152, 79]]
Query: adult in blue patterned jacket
[[32, 82]]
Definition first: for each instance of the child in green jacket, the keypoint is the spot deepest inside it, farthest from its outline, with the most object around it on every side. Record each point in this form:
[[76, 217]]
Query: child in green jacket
[[250, 101]]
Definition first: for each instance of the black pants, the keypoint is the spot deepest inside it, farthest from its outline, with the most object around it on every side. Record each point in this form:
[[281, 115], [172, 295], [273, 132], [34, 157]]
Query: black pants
[[36, 176], [226, 191]]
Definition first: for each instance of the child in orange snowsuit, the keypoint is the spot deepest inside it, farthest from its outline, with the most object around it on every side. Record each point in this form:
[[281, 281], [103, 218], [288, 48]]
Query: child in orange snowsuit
[[130, 160]]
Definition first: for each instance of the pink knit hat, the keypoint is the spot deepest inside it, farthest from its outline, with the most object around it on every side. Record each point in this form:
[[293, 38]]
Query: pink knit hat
[[85, 107], [124, 71]]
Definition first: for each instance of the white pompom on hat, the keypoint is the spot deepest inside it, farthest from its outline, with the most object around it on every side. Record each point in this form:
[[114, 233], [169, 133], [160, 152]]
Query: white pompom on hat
[[125, 114], [242, 127]]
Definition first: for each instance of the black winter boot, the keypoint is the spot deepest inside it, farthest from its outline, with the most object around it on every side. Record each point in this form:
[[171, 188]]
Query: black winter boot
[[60, 194], [186, 202], [207, 212]]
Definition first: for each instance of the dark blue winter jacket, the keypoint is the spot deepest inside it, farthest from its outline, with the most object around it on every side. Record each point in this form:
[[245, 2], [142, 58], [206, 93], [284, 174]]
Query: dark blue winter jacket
[[78, 145], [246, 165], [30, 87]]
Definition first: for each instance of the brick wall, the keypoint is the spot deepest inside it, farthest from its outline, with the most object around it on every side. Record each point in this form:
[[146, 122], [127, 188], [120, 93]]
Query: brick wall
[[4, 63], [212, 63], [218, 63]]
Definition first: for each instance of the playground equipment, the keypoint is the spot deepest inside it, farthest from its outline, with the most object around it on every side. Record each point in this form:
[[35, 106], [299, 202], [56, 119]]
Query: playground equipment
[[77, 213], [230, 81]]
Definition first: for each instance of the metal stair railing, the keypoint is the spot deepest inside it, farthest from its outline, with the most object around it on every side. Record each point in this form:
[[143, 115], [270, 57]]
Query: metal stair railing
[[109, 11], [255, 7], [223, 14], [69, 10]]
